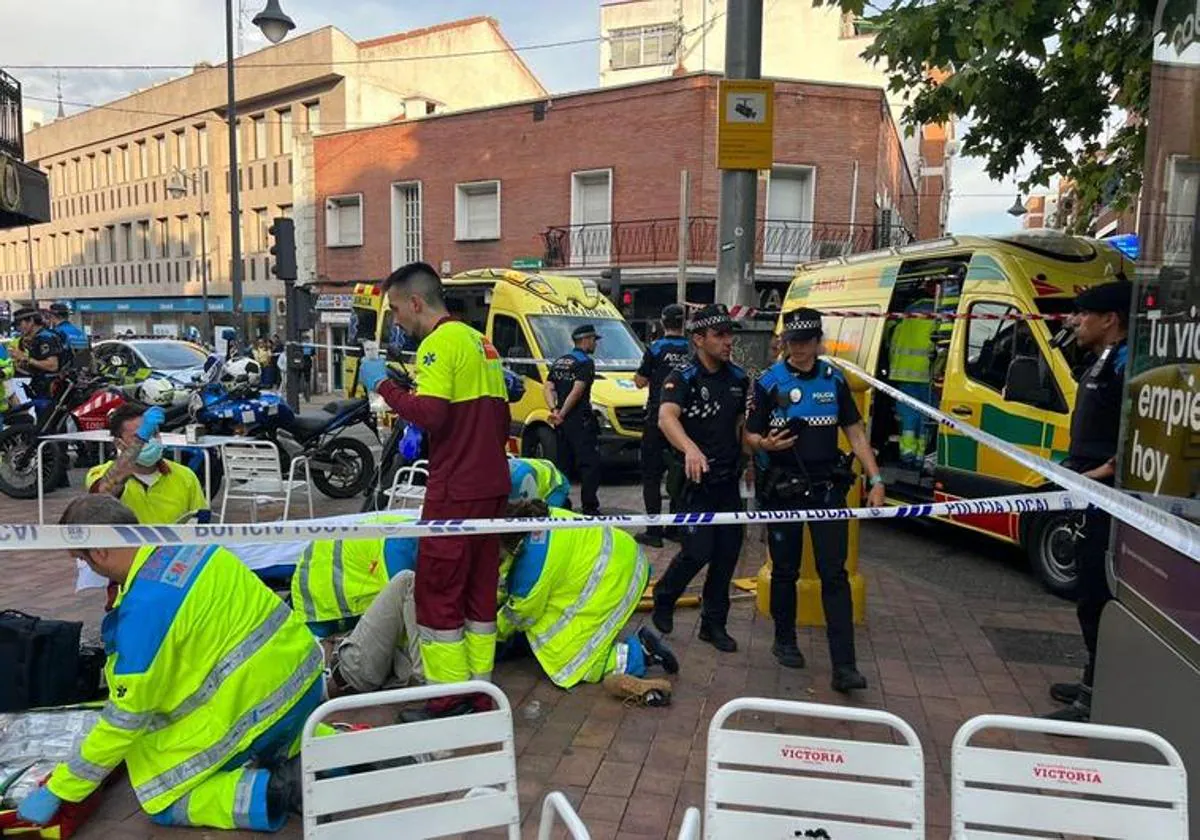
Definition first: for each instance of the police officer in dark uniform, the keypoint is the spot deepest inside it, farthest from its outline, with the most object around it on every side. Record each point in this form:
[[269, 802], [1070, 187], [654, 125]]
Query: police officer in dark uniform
[[664, 355], [41, 353], [799, 404], [1101, 325], [702, 413], [568, 392], [73, 337]]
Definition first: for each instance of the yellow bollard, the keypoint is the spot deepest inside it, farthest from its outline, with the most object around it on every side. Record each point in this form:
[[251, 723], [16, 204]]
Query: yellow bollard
[[809, 612]]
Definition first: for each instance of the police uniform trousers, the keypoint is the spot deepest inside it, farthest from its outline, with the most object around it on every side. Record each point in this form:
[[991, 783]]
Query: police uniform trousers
[[1093, 592], [715, 546], [830, 540], [579, 452], [455, 593], [659, 459]]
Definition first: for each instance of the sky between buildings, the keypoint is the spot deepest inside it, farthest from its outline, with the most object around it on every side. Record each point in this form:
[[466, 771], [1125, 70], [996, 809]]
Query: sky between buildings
[[125, 32]]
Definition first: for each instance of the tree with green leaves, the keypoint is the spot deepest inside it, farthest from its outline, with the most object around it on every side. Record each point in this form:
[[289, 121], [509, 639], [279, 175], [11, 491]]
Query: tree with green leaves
[[1048, 80]]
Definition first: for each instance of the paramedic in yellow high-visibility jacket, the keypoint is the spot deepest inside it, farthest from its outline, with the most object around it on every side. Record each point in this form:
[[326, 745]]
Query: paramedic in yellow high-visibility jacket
[[211, 678]]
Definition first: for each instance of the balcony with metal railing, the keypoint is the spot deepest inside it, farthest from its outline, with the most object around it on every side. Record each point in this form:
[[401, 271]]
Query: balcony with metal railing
[[649, 242], [12, 138]]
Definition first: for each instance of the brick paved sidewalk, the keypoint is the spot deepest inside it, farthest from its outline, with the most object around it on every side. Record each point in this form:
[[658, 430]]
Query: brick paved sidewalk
[[931, 656]]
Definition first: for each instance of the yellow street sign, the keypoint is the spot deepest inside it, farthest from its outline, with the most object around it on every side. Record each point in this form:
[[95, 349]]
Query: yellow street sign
[[745, 124]]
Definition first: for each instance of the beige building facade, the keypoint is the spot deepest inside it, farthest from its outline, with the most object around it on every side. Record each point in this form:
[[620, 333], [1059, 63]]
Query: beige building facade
[[140, 187]]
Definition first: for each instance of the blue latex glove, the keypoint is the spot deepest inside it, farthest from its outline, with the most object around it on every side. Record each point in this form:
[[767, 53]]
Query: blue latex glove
[[39, 807], [371, 372], [410, 444], [151, 421]]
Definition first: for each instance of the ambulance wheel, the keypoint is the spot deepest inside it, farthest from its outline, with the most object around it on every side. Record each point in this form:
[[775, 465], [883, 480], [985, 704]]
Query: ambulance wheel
[[540, 443], [1050, 545]]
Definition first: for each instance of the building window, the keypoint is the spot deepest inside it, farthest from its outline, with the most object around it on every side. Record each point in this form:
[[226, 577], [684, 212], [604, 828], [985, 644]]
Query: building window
[[788, 229], [643, 46], [106, 168], [108, 245], [262, 225], [259, 128], [285, 211], [63, 184], [162, 238], [312, 117], [591, 216], [143, 159], [406, 223], [343, 221], [181, 149], [126, 253], [285, 131], [126, 172], [158, 160], [91, 172], [202, 144], [477, 210], [183, 236], [92, 235]]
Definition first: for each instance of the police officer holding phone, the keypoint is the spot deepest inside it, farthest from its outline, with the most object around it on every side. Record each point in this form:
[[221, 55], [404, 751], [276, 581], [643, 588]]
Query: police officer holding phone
[[799, 404], [703, 409], [664, 356]]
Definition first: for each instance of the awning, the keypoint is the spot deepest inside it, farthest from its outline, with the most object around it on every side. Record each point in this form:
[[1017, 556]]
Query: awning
[[260, 304]]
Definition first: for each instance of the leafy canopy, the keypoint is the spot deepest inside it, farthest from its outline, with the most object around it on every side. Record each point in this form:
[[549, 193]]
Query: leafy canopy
[[1043, 79]]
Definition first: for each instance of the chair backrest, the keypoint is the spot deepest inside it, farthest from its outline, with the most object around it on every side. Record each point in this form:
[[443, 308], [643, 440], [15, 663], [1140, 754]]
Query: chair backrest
[[437, 777], [251, 461], [767, 784], [998, 790], [405, 488]]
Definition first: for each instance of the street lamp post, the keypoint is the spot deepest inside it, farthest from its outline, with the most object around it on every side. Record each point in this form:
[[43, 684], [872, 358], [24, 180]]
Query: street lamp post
[[275, 25], [178, 190]]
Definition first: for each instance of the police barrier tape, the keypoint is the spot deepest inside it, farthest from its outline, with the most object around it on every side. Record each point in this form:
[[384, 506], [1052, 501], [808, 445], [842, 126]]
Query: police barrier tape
[[76, 537], [1179, 534], [411, 356]]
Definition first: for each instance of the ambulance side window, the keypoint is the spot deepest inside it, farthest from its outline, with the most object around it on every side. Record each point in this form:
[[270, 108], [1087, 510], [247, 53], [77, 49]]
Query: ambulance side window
[[1003, 355], [510, 342]]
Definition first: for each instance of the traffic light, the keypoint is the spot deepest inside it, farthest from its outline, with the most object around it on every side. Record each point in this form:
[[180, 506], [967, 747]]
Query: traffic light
[[628, 297], [283, 248]]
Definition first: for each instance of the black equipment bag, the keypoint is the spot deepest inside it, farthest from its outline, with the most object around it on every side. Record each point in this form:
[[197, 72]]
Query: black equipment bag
[[42, 664]]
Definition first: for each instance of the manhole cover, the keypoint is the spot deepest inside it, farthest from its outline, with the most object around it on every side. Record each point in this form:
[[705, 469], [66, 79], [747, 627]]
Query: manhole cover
[[1038, 647]]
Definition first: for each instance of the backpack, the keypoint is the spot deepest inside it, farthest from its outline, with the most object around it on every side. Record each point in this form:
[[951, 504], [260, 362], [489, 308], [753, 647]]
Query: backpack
[[43, 664]]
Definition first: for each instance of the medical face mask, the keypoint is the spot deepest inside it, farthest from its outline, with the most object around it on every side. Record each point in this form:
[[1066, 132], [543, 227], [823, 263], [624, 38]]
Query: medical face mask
[[150, 454]]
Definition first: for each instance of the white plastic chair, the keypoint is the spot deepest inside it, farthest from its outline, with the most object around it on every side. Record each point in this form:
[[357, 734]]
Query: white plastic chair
[[405, 489], [1153, 797], [455, 792], [253, 472], [864, 790]]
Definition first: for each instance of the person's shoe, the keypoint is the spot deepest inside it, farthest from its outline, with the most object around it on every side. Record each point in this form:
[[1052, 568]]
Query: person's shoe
[[787, 654], [656, 650], [846, 678], [663, 617], [718, 638], [638, 691], [1065, 692], [284, 788], [673, 534], [336, 685], [1075, 713], [653, 540], [592, 512]]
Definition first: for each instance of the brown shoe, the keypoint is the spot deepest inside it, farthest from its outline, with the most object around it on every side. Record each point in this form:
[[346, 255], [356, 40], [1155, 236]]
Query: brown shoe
[[637, 691]]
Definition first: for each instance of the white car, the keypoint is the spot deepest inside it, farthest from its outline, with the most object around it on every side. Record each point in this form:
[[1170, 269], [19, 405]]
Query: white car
[[180, 362]]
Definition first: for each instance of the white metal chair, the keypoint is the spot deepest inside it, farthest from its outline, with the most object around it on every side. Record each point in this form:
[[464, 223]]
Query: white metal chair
[[767, 784], [253, 472], [461, 775], [405, 489], [1104, 798]]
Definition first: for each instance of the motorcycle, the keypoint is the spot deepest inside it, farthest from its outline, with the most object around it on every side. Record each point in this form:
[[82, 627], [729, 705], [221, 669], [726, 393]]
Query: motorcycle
[[341, 466]]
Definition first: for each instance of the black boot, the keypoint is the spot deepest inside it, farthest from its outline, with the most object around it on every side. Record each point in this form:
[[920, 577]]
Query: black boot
[[846, 678], [1080, 710], [656, 650], [717, 637], [652, 537], [1065, 692], [663, 616], [284, 787], [787, 653]]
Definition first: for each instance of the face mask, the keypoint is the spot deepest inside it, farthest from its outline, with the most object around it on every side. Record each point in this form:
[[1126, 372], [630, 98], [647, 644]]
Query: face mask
[[150, 454]]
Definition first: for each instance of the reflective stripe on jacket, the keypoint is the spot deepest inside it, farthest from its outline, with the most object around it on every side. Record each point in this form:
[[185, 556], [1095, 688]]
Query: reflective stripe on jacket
[[202, 659], [571, 592]]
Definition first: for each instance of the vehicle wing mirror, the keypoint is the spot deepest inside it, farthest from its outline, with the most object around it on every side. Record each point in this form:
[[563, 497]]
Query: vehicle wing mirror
[[520, 351], [1023, 383]]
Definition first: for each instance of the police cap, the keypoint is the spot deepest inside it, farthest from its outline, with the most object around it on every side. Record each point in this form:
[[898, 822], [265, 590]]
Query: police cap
[[25, 312], [715, 316], [1107, 297], [61, 310], [584, 331], [672, 316], [801, 325]]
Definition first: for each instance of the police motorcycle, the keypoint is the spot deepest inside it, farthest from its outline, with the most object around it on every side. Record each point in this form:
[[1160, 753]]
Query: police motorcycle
[[230, 402]]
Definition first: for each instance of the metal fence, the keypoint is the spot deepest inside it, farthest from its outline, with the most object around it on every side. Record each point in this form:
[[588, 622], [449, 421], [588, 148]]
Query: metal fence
[[656, 241]]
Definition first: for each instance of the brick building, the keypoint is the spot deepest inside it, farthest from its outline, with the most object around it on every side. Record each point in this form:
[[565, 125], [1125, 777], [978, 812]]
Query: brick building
[[591, 180]]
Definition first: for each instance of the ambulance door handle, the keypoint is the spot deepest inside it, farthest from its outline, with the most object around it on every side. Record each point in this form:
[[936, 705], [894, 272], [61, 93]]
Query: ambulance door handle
[[962, 410]]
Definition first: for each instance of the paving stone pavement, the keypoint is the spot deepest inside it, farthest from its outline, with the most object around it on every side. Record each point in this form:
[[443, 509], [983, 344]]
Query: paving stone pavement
[[632, 772]]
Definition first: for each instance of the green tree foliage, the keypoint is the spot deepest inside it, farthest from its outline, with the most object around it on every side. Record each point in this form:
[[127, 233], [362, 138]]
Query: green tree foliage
[[1038, 79]]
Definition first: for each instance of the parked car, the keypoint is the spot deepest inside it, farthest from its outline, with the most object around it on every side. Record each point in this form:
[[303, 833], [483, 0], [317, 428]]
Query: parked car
[[180, 362]]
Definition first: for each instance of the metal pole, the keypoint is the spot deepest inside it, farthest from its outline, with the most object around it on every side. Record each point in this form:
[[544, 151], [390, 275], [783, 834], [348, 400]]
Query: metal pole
[[739, 188], [208, 324], [240, 322], [32, 279], [293, 354], [685, 183]]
